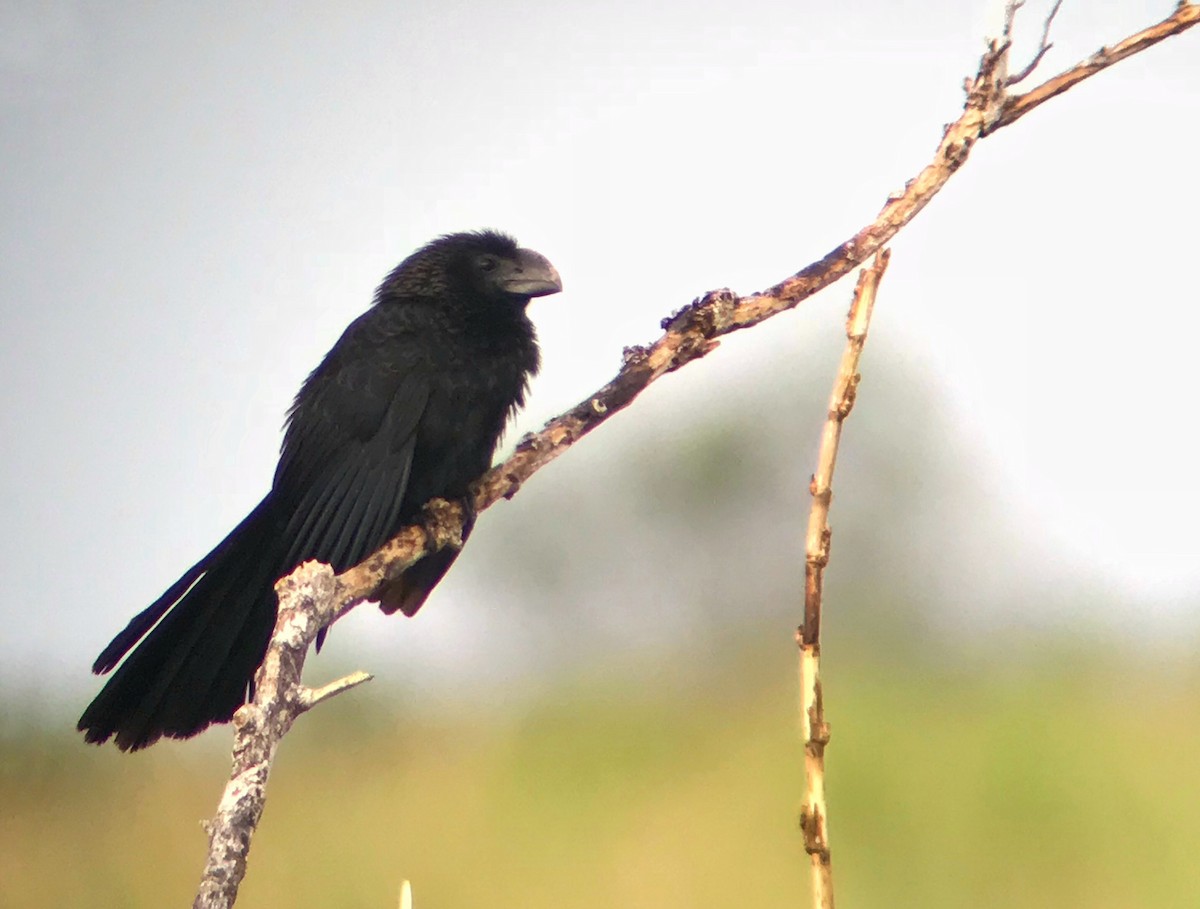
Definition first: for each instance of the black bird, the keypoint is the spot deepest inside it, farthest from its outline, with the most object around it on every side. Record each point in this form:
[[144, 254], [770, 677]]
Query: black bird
[[408, 405]]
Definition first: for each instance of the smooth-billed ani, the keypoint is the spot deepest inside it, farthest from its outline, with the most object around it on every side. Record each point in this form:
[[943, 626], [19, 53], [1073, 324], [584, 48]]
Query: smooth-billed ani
[[408, 405]]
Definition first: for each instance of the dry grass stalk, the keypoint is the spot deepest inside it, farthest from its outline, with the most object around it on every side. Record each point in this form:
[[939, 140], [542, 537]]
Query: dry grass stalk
[[813, 814]]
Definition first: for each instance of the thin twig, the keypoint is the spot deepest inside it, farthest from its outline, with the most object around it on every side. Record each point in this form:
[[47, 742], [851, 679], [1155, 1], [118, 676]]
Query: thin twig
[[1010, 18], [813, 814], [311, 697], [1044, 46], [1004, 45], [1185, 16]]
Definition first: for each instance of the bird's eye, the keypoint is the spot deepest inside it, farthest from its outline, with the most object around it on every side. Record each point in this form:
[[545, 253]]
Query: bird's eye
[[488, 263]]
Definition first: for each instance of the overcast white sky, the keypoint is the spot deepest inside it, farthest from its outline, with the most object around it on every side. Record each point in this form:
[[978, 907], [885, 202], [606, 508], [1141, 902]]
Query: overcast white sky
[[196, 198]]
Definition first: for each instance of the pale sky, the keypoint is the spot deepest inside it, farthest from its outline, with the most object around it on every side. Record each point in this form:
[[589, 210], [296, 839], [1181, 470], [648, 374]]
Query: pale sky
[[197, 199]]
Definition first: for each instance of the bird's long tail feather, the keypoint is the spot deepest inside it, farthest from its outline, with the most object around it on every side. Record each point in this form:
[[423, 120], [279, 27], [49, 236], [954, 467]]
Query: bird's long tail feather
[[200, 643]]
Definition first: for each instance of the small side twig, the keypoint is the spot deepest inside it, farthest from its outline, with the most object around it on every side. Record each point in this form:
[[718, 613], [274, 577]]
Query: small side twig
[[1044, 44], [1185, 16], [813, 814], [311, 697]]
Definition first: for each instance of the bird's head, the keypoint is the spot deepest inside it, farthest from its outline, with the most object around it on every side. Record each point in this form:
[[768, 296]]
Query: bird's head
[[483, 264]]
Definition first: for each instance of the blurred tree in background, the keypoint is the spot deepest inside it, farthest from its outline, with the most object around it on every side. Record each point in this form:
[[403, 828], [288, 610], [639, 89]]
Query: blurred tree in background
[[643, 750]]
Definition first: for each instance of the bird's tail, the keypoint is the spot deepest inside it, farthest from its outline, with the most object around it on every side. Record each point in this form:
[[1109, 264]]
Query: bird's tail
[[201, 643]]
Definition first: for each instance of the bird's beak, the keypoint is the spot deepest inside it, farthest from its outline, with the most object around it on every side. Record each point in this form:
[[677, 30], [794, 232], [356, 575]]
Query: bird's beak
[[533, 276]]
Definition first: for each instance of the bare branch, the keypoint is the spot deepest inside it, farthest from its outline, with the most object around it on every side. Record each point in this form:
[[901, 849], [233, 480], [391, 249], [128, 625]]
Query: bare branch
[[304, 597], [312, 597], [813, 814], [693, 331]]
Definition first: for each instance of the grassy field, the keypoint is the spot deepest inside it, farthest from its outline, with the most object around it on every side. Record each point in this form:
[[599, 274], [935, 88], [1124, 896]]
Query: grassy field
[[1037, 787]]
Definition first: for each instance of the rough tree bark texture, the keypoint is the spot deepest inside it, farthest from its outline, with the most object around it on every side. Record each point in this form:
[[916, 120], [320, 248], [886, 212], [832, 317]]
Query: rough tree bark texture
[[311, 597], [279, 698]]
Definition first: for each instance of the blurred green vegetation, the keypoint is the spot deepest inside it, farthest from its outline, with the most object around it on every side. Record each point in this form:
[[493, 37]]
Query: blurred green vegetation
[[1006, 731], [1059, 782]]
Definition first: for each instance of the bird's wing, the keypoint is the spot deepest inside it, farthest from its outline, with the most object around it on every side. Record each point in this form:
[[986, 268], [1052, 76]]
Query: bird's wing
[[347, 456]]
